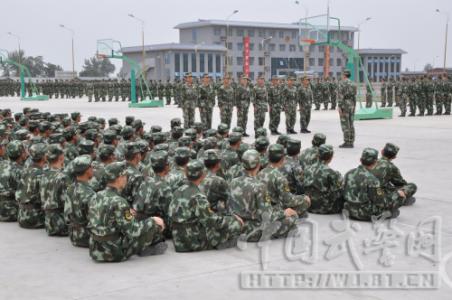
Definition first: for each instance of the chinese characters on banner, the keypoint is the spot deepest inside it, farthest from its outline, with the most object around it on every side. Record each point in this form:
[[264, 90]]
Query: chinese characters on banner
[[246, 55]]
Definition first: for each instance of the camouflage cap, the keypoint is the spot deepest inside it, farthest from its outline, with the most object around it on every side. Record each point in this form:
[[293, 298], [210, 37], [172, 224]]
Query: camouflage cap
[[3, 130], [210, 143], [283, 139], [105, 151], [113, 121], [18, 115], [235, 137], [137, 124], [75, 115], [143, 145], [293, 145], [101, 121], [129, 120], [318, 139], [109, 136], [35, 116], [161, 147], [92, 119], [276, 152], [211, 155], [114, 170], [44, 126], [147, 136], [238, 129], [66, 121], [391, 149], [369, 156], [159, 159], [91, 134], [195, 169], [131, 149], [184, 141], [177, 132], [38, 151], [56, 138], [250, 159], [198, 126], [211, 132], [175, 122], [261, 143], [242, 149], [182, 152], [26, 110], [117, 128], [261, 132], [36, 140], [22, 134], [191, 132], [223, 128], [127, 132], [325, 151], [156, 128], [54, 151], [159, 138], [346, 72], [69, 132], [23, 121], [188, 74], [86, 147], [14, 149]]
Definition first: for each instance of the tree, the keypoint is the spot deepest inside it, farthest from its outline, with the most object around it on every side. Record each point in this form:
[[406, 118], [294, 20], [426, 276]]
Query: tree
[[51, 68], [36, 65], [428, 67], [95, 67]]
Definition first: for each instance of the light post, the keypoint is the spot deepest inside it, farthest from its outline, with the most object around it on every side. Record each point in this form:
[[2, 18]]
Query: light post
[[72, 45], [226, 41], [359, 28], [143, 54], [447, 14], [266, 53], [18, 44], [300, 33]]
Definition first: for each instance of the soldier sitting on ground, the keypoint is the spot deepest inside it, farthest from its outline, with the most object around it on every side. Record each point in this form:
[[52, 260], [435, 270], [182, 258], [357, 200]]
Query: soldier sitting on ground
[[389, 175], [311, 155], [323, 184], [195, 226], [364, 196], [116, 234]]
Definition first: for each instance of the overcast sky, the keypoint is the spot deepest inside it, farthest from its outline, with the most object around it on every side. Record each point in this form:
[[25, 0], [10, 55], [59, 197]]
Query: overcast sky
[[412, 25]]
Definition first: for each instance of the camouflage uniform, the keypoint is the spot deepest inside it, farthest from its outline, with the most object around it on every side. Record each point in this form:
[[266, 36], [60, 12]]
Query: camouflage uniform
[[116, 233], [324, 186], [260, 106], [347, 103], [206, 103], [311, 155], [275, 102], [305, 102], [243, 100], [290, 107], [189, 99], [195, 226], [226, 103]]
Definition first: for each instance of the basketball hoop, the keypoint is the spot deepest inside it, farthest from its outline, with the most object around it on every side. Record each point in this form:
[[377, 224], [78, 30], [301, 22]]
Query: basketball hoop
[[307, 41], [101, 56]]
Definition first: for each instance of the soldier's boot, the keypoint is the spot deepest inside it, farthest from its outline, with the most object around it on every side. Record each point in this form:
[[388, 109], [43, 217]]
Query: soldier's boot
[[409, 201], [156, 249]]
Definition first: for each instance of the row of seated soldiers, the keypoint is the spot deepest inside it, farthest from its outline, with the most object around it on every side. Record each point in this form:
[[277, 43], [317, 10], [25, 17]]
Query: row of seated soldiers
[[123, 191]]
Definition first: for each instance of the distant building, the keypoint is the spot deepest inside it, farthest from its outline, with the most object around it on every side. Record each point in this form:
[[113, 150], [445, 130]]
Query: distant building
[[381, 63], [202, 49], [439, 71]]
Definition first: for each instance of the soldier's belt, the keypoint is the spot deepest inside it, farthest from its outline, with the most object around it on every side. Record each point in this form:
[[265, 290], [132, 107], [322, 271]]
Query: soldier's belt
[[30, 205], [106, 238]]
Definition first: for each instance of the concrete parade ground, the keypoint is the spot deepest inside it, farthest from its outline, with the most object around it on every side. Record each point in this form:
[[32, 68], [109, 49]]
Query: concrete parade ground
[[406, 258]]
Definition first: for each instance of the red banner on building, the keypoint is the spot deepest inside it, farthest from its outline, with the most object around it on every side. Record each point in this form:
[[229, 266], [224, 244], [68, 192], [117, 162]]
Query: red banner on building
[[246, 56]]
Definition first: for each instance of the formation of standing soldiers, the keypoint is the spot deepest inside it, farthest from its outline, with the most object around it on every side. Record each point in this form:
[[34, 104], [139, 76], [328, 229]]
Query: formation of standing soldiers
[[418, 94]]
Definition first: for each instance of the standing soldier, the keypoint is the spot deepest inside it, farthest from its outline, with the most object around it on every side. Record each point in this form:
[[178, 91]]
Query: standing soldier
[[275, 102], [326, 93], [397, 91], [189, 97], [383, 92], [243, 100], [369, 100], [290, 105], [390, 92], [403, 96], [447, 94], [421, 92], [412, 96], [206, 101], [305, 97], [168, 89], [333, 93], [260, 103], [226, 101], [347, 103], [429, 92]]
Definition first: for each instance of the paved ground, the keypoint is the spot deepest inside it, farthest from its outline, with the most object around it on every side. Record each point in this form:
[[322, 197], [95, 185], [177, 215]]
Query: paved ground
[[34, 266]]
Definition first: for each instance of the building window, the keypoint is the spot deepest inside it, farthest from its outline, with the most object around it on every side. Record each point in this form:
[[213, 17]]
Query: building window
[[210, 63], [300, 48], [229, 31], [320, 62], [185, 62], [218, 63], [250, 32], [239, 32], [281, 34], [312, 62], [271, 47], [229, 60], [240, 46], [239, 74], [167, 59], [251, 46], [261, 61], [261, 33], [230, 46], [239, 61], [292, 48], [331, 62], [251, 75], [294, 34], [282, 47], [321, 49], [261, 48], [251, 61], [176, 62], [217, 31], [193, 63], [271, 33], [339, 62], [202, 65], [194, 35]]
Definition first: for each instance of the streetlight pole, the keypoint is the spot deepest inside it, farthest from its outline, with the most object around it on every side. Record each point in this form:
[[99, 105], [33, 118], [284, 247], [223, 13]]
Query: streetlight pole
[[143, 54], [18, 43], [359, 28], [266, 53], [226, 41], [72, 45], [447, 14]]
